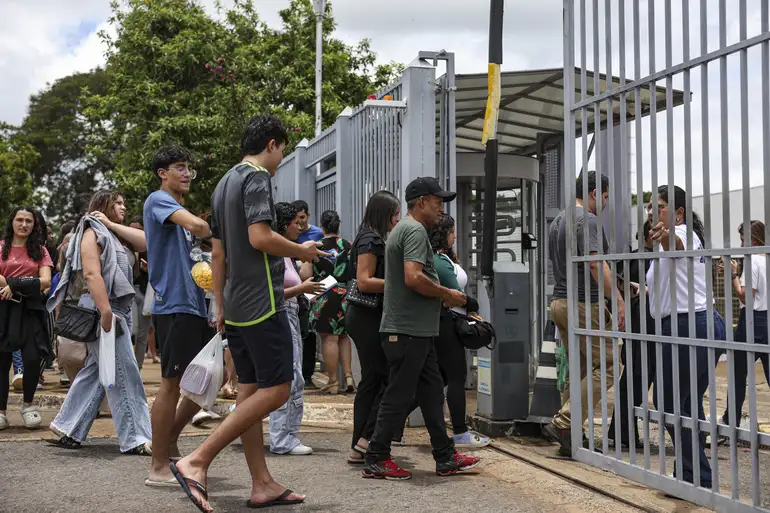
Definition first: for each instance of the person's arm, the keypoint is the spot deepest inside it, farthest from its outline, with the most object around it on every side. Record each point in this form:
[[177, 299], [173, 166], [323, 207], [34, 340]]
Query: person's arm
[[92, 273], [416, 246], [595, 242], [219, 276], [660, 233], [3, 282], [738, 288], [191, 223], [366, 267], [263, 238], [44, 273], [131, 235], [306, 271], [306, 287]]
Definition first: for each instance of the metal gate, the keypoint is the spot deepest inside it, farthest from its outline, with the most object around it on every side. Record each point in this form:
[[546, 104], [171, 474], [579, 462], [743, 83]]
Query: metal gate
[[708, 69]]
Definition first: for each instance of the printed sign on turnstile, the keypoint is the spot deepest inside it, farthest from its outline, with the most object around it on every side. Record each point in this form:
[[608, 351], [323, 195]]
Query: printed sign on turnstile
[[485, 376]]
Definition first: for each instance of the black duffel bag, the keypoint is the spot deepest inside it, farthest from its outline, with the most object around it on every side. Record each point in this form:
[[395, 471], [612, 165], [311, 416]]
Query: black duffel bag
[[473, 334]]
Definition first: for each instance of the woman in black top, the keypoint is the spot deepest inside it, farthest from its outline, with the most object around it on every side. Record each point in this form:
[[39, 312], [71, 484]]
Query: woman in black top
[[363, 323]]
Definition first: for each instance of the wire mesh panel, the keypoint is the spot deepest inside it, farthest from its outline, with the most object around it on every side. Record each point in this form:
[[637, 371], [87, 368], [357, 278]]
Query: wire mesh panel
[[376, 154], [647, 319]]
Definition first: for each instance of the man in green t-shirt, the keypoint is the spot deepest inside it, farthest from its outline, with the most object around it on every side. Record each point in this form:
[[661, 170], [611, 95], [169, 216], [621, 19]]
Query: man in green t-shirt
[[410, 320]]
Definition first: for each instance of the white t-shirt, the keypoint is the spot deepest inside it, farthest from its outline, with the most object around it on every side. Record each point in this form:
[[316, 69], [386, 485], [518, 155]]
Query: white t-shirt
[[462, 277], [683, 288], [758, 282]]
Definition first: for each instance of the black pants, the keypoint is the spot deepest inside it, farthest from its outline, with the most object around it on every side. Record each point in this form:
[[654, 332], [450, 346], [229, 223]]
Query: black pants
[[309, 350], [641, 389], [30, 355], [453, 366], [740, 361], [413, 372], [363, 326]]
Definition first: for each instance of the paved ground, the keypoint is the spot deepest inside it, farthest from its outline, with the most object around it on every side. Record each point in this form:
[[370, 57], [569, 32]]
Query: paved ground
[[97, 478]]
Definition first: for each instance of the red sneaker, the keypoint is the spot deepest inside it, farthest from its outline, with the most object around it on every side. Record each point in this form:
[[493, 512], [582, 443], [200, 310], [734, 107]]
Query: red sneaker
[[457, 463], [385, 470]]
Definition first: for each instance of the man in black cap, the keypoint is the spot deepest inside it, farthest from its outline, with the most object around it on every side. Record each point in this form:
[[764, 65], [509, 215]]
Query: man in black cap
[[410, 322]]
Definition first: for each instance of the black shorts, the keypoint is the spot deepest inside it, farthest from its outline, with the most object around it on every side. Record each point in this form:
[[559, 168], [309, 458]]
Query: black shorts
[[181, 337], [263, 353]]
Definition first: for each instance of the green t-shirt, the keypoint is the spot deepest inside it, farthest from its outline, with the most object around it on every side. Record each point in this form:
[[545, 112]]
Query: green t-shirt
[[406, 312]]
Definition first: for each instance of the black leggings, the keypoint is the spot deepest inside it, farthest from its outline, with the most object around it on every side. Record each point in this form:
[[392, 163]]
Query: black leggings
[[31, 358], [454, 370], [363, 326]]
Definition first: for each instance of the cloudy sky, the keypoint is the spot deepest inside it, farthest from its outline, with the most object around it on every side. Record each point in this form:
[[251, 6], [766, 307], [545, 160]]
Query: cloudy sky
[[42, 40]]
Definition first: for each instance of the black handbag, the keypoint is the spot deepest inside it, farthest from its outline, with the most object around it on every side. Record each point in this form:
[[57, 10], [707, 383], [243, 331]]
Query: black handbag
[[356, 297], [473, 334], [75, 322]]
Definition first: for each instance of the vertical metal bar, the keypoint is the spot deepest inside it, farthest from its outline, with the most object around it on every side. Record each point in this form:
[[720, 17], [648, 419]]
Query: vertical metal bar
[[659, 384], [705, 141], [614, 249], [640, 223], [747, 261], [587, 236], [725, 128], [693, 363], [671, 221], [569, 170], [625, 205], [765, 24]]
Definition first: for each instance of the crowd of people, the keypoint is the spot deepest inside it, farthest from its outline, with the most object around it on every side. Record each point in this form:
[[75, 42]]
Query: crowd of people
[[279, 283]]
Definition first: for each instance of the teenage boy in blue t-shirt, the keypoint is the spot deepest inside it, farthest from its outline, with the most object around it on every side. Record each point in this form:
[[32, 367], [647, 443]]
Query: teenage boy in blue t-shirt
[[179, 310]]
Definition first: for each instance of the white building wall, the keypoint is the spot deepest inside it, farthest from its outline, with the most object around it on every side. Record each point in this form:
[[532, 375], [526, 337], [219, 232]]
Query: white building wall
[[715, 229]]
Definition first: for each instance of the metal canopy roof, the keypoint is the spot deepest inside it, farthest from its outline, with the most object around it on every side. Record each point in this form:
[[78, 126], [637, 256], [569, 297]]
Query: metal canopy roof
[[532, 105]]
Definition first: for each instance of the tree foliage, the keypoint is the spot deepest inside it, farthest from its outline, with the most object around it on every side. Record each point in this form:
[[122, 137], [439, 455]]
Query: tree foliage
[[16, 160], [57, 128], [175, 74]]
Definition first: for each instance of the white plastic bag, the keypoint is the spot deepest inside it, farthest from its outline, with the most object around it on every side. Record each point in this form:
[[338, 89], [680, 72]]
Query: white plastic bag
[[149, 299], [107, 357], [203, 377]]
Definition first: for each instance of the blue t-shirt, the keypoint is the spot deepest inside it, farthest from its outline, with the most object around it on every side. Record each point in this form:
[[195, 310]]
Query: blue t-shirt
[[312, 233], [168, 252]]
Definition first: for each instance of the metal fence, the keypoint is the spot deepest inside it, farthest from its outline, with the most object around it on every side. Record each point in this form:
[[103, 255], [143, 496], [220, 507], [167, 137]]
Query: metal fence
[[713, 139]]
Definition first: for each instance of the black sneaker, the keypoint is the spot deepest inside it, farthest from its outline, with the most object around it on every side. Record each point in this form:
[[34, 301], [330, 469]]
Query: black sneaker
[[144, 449], [64, 442], [385, 470], [562, 436], [457, 463]]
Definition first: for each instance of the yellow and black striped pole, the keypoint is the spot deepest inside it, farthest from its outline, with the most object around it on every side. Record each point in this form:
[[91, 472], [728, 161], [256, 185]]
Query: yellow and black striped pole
[[489, 137]]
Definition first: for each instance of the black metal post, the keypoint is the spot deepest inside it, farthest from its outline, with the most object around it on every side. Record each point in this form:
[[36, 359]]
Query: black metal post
[[489, 241]]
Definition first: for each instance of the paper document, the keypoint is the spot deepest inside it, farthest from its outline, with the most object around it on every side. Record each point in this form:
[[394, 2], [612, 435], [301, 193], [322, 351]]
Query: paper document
[[328, 283]]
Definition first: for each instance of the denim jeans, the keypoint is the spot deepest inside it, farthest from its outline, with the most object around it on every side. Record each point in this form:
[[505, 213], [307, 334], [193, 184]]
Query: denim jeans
[[285, 421], [127, 399], [685, 398], [18, 365]]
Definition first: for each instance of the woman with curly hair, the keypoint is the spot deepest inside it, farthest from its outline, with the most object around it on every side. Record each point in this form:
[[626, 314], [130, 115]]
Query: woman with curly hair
[[327, 311], [449, 350], [285, 421], [25, 272]]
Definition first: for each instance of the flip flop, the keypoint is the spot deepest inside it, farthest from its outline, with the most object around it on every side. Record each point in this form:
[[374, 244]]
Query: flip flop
[[171, 483], [186, 483], [281, 500]]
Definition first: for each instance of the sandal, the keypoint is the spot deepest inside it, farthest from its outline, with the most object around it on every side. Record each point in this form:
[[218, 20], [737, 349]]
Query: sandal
[[351, 385], [186, 483], [331, 388], [281, 500], [31, 417]]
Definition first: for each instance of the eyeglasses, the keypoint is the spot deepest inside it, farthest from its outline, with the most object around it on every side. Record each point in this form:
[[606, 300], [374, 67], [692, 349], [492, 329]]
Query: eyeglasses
[[192, 173]]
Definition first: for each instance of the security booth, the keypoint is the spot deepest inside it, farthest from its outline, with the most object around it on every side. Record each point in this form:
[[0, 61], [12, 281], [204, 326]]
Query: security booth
[[424, 125]]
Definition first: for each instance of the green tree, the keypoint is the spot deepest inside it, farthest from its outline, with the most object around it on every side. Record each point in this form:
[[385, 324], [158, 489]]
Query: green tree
[[57, 128], [175, 74], [646, 196], [16, 160]]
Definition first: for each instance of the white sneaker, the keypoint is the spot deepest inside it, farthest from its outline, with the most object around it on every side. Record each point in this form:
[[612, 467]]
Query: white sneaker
[[3, 421], [18, 382], [469, 439], [301, 450], [204, 416], [231, 409]]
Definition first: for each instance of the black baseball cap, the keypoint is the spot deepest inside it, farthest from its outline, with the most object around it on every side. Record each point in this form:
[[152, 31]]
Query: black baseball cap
[[427, 186]]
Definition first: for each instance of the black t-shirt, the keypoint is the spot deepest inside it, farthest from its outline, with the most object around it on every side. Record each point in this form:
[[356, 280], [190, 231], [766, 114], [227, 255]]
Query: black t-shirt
[[369, 242], [141, 278]]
